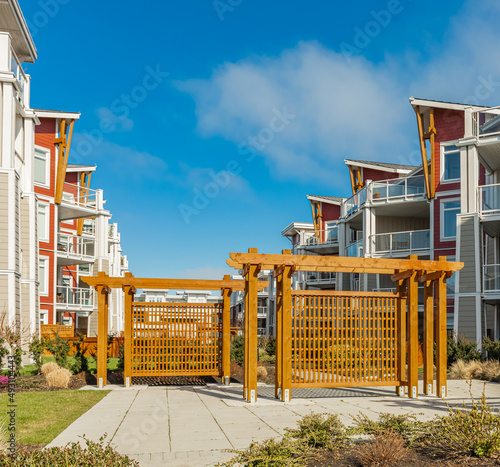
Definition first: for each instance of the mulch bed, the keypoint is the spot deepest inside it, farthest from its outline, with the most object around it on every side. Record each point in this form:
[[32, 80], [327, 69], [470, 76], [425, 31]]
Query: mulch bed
[[30, 383], [116, 377]]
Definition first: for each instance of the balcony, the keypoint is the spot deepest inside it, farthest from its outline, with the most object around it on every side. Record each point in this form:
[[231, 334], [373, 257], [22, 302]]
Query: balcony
[[355, 250], [72, 249], [491, 278], [327, 241], [75, 298], [89, 227], [21, 78], [417, 242], [352, 205], [77, 202], [321, 278], [486, 132], [398, 189], [489, 208], [262, 312]]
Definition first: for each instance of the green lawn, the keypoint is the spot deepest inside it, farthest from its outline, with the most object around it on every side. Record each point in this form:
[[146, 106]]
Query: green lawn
[[41, 416]]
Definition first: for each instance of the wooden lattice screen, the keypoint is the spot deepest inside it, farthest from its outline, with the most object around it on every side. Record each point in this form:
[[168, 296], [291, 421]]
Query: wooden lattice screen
[[175, 339], [343, 340]]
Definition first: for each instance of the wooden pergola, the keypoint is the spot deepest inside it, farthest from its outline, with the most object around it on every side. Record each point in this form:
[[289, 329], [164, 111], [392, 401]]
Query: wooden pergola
[[406, 273], [129, 284]]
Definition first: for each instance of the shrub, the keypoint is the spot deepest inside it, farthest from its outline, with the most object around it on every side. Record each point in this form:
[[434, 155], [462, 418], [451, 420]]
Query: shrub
[[492, 347], [3, 351], [320, 431], [60, 348], [121, 357], [261, 372], [36, 348], [59, 378], [238, 349], [488, 371], [467, 432], [80, 363], [271, 346], [461, 348], [268, 358], [49, 367], [18, 357], [387, 448], [95, 454]]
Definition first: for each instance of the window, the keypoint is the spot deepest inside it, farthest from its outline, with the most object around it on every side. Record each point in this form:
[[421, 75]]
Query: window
[[43, 222], [451, 163], [44, 317], [449, 211], [41, 166], [43, 275]]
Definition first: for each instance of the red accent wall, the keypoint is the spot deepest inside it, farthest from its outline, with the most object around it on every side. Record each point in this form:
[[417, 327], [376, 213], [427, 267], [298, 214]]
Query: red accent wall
[[331, 212], [375, 175]]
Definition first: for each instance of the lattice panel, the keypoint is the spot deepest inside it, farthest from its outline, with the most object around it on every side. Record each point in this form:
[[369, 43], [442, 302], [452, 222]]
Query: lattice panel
[[343, 340], [175, 339]]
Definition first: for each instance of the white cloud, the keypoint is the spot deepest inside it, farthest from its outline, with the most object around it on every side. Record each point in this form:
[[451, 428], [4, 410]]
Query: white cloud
[[112, 122], [354, 109]]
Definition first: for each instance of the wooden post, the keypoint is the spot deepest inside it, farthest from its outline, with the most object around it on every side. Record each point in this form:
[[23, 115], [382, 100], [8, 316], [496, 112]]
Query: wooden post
[[245, 338], [401, 337], [102, 335], [251, 312], [428, 337], [278, 386], [226, 334], [286, 335], [128, 333], [413, 333], [441, 338]]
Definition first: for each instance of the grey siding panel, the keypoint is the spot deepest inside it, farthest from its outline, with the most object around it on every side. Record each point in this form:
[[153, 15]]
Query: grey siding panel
[[93, 324], [467, 317], [468, 248], [4, 293], [4, 219], [372, 282], [385, 224]]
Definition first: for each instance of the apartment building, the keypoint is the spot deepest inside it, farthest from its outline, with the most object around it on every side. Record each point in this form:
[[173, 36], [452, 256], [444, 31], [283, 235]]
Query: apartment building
[[448, 206], [53, 226], [180, 296]]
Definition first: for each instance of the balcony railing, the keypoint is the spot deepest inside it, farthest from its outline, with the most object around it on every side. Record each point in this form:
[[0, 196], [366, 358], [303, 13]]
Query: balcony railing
[[72, 245], [262, 311], [21, 78], [385, 289], [398, 242], [75, 195], [489, 199], [355, 250], [324, 237], [491, 278], [486, 122], [352, 204], [321, 277], [75, 297], [398, 189], [89, 227]]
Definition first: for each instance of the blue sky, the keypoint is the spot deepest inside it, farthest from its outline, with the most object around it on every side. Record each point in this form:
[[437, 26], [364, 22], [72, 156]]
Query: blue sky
[[211, 121]]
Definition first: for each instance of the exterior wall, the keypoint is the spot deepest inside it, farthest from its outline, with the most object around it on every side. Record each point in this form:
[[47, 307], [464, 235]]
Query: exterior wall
[[386, 224], [331, 212], [375, 175]]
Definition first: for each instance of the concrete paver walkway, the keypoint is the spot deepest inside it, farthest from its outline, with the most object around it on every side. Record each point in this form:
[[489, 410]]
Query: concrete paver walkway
[[193, 426]]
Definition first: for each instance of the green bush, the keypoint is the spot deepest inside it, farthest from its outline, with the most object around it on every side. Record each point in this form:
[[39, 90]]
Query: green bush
[[492, 347], [121, 357], [80, 363], [238, 349], [60, 348], [461, 348], [3, 351], [271, 346], [36, 348], [72, 455]]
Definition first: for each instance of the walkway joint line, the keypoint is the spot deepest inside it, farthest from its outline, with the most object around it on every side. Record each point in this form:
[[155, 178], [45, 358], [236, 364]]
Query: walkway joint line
[[125, 416]]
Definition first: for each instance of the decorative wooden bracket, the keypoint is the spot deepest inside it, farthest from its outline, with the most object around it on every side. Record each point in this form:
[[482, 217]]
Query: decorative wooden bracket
[[84, 193], [430, 180], [402, 275], [64, 143]]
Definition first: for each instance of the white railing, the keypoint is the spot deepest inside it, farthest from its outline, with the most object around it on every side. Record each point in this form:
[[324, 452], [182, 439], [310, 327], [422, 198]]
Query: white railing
[[21, 77], [398, 189], [321, 277], [486, 123], [385, 289], [72, 245], [411, 241], [355, 250], [89, 227], [489, 199], [323, 237], [84, 269], [352, 204], [491, 278], [75, 297], [262, 311], [75, 195]]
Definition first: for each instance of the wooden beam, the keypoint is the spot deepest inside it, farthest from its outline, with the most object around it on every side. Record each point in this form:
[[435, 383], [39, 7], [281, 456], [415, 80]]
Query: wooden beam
[[353, 182], [343, 293], [428, 337], [433, 276], [64, 143], [251, 333], [129, 292], [402, 275], [441, 338], [359, 182], [286, 339], [102, 335], [278, 382], [432, 131], [401, 338], [226, 334], [423, 150], [413, 334], [333, 263]]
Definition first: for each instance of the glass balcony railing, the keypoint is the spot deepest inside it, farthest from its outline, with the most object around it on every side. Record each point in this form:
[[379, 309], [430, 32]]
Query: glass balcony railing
[[75, 297], [491, 278], [321, 277], [489, 199], [398, 189], [76, 195], [355, 250], [323, 237], [21, 78], [262, 311], [486, 122], [73, 245], [352, 204], [406, 242]]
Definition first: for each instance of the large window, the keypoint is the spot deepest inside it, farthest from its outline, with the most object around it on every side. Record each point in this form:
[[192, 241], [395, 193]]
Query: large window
[[451, 163], [43, 222], [41, 166], [449, 211], [43, 276]]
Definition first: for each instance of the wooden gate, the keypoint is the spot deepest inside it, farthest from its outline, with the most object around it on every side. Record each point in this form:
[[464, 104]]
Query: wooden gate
[[176, 339], [341, 340]]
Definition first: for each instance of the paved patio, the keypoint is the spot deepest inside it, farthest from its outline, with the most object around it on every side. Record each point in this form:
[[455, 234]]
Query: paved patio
[[194, 426]]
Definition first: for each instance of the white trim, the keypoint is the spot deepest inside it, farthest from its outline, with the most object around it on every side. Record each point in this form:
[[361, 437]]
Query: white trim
[[444, 105], [479, 311], [47, 166], [327, 201], [448, 193], [54, 114], [46, 206], [442, 148], [441, 219], [47, 268], [86, 168], [367, 165]]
